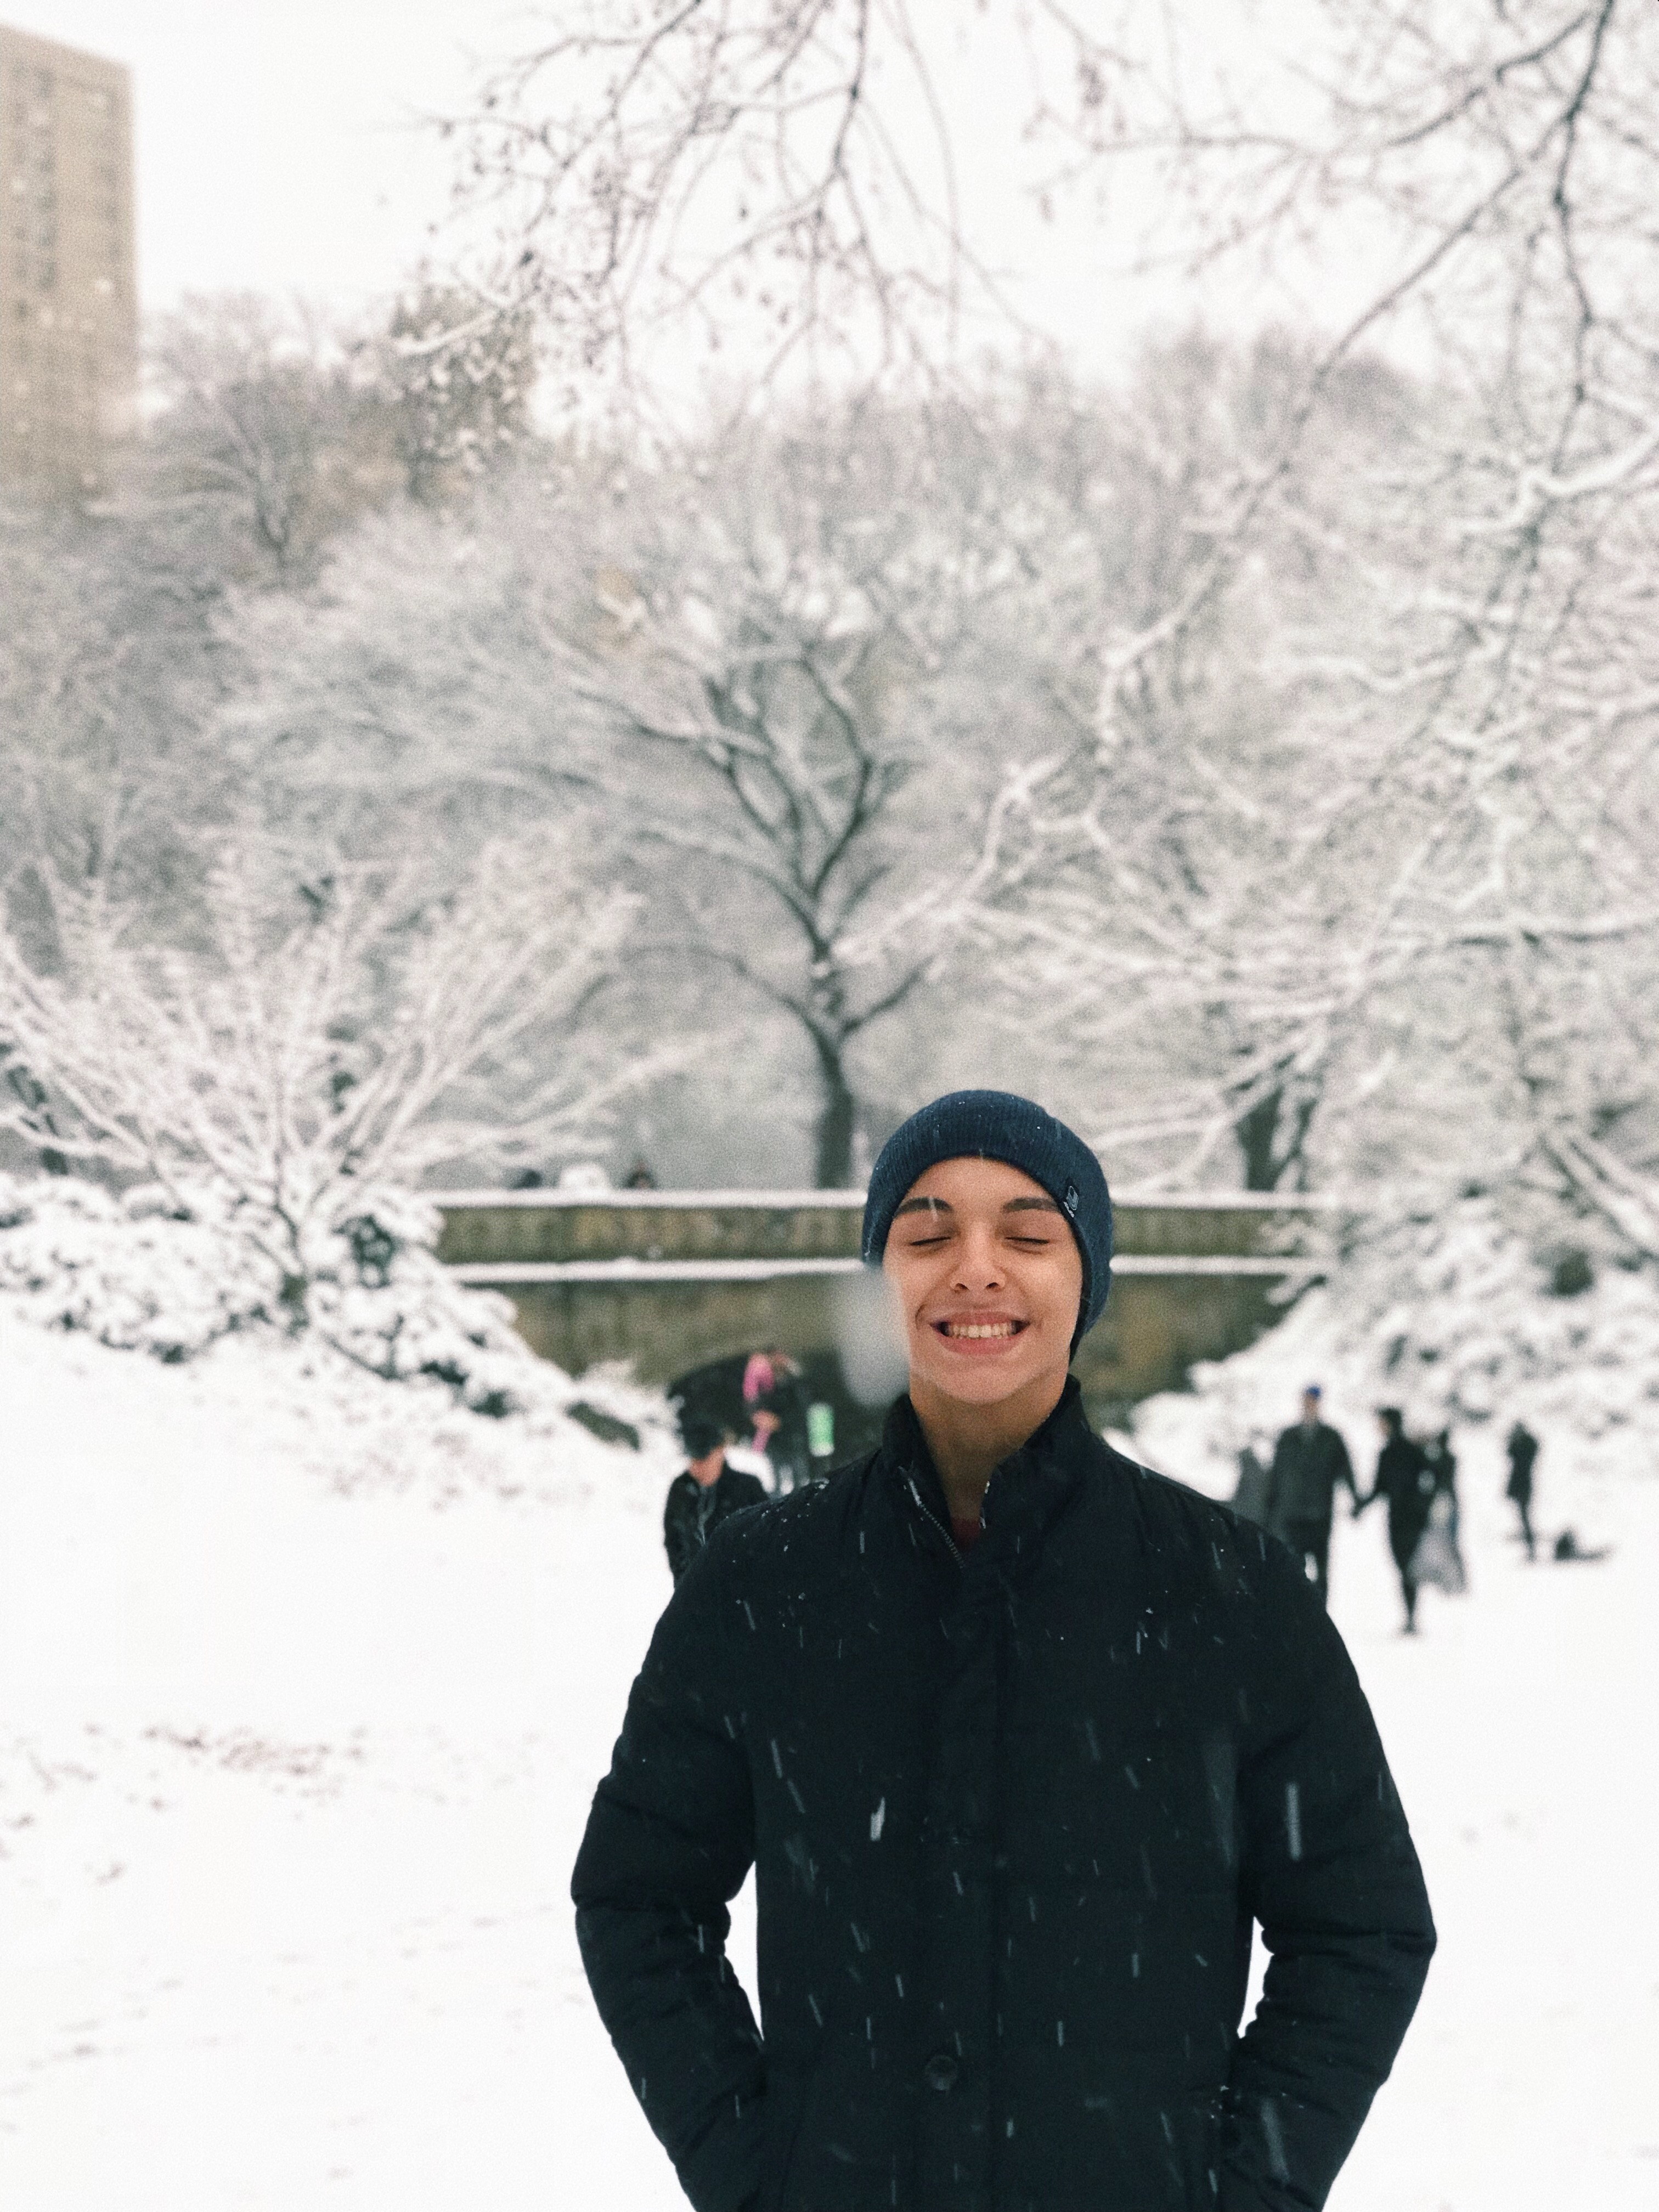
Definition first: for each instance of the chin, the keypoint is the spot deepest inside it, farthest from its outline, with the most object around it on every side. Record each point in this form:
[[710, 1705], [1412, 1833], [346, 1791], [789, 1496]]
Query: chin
[[972, 1383]]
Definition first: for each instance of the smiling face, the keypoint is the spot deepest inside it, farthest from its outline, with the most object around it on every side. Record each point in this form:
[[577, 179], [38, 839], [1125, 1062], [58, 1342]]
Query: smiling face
[[988, 1278]]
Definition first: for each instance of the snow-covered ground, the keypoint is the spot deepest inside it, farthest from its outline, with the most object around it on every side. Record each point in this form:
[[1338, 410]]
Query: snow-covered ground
[[297, 1737]]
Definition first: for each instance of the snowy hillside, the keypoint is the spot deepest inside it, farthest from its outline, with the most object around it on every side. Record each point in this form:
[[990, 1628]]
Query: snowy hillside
[[305, 1693]]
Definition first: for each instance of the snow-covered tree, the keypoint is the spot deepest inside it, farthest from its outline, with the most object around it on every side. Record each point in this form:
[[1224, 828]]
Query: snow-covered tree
[[327, 1042], [1497, 677], [112, 669], [1181, 883], [269, 419], [1460, 685], [775, 672], [459, 386], [786, 664]]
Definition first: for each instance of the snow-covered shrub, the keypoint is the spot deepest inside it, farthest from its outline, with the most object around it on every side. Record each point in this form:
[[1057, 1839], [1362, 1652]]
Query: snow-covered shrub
[[1457, 1318], [135, 1272], [384, 1299], [277, 1091], [173, 1274]]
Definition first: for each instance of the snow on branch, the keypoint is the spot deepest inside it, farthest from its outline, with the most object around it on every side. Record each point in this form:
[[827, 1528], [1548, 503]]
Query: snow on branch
[[785, 166], [1627, 1200]]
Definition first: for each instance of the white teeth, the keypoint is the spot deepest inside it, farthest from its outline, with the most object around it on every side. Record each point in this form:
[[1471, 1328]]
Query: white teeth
[[979, 1328]]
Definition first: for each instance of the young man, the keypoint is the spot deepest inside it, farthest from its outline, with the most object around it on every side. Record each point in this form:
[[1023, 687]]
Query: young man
[[1309, 1460], [1021, 1741], [706, 1492]]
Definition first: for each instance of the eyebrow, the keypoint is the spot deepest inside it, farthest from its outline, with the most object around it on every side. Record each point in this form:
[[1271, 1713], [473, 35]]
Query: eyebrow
[[944, 1206]]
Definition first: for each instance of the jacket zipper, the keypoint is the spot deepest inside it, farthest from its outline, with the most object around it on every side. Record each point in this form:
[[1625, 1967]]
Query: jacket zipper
[[927, 1514]]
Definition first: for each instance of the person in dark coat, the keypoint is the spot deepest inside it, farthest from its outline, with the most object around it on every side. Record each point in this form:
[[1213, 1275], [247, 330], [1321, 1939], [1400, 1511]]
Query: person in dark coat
[[1405, 1479], [705, 1493], [1021, 1741], [1309, 1460], [1522, 1449]]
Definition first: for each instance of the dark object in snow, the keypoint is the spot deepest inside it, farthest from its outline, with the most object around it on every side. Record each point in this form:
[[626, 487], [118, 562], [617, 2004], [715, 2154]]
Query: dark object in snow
[[997, 1125], [694, 1510], [373, 1250], [1011, 1817], [609, 1428], [713, 1392], [1309, 1460], [1568, 1549], [1522, 1449], [1404, 1479]]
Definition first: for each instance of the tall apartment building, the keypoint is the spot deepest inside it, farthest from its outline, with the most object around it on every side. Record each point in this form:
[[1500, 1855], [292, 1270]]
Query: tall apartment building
[[69, 318]]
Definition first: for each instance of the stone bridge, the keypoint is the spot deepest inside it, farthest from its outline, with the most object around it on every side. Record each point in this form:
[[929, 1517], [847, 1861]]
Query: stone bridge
[[674, 1281]]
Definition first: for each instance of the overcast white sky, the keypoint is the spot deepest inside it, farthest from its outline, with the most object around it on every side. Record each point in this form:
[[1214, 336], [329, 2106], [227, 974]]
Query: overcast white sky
[[279, 147], [275, 146]]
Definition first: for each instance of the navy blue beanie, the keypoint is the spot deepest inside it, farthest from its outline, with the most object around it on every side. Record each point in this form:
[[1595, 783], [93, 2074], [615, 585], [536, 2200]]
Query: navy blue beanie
[[995, 1125]]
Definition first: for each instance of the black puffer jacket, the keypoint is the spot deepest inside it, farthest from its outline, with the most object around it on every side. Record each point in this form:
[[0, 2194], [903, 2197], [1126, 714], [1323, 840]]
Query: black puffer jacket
[[1011, 1817], [693, 1512]]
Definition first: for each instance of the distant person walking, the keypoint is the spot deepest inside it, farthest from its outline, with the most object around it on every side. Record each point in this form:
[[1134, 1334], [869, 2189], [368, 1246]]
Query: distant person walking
[[704, 1494], [1522, 1449], [1405, 1479], [1309, 1460], [1438, 1557], [1249, 1499], [1442, 1464]]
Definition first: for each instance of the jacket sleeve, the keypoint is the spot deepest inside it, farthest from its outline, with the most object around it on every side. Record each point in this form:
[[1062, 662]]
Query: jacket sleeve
[[1330, 1873], [669, 1840], [1345, 1466]]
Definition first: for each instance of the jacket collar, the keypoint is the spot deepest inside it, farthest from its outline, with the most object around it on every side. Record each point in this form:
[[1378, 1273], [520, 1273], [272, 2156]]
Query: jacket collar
[[1027, 1490]]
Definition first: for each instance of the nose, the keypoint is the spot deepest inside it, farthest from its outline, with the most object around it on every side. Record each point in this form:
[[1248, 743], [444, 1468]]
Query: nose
[[979, 1266]]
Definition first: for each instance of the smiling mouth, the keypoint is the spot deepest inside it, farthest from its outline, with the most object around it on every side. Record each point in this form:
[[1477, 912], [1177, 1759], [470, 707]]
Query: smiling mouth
[[979, 1331]]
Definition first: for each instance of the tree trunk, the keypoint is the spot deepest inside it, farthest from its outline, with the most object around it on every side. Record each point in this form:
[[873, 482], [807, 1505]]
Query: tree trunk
[[836, 1111], [1256, 1130]]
